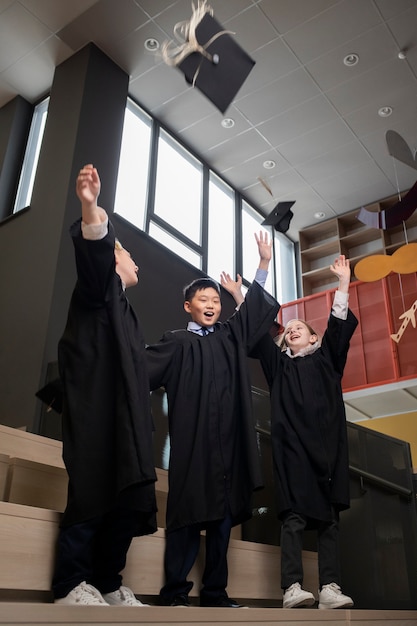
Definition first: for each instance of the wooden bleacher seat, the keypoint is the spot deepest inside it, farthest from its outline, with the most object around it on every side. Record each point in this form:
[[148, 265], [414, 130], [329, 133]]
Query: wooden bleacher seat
[[34, 488]]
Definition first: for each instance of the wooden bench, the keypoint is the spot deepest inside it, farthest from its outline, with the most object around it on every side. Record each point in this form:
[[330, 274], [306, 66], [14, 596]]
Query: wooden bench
[[34, 490]]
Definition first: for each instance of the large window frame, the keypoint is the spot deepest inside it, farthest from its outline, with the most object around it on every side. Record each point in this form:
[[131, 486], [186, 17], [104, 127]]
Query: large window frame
[[205, 251], [200, 250]]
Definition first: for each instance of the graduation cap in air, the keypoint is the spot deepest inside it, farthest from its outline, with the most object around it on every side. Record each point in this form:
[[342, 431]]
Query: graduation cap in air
[[209, 57], [52, 395], [280, 217]]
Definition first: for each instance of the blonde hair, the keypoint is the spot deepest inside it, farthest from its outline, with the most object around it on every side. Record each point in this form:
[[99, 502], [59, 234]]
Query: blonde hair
[[117, 245], [280, 339]]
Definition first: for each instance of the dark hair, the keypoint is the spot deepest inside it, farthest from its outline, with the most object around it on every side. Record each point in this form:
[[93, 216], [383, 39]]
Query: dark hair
[[197, 285]]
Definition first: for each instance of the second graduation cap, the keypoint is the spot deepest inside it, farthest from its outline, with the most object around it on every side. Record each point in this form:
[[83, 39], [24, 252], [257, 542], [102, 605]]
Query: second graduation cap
[[280, 217], [211, 60]]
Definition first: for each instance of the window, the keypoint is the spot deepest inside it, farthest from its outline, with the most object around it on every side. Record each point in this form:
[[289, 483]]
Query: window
[[167, 191], [286, 287], [251, 224], [132, 181], [221, 229], [30, 161], [178, 188]]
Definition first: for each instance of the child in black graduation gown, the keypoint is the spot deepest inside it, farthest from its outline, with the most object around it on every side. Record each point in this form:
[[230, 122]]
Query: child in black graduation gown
[[106, 419], [214, 460], [309, 441]]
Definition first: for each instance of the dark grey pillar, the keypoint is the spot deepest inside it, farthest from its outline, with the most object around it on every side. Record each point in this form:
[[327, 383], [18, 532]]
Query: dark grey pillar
[[37, 273]]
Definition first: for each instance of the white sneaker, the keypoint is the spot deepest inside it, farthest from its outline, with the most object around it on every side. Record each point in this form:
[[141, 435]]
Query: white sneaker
[[331, 597], [295, 596], [123, 597], [83, 594]]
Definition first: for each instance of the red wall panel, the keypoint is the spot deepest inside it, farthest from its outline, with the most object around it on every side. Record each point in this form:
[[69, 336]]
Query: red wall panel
[[374, 357]]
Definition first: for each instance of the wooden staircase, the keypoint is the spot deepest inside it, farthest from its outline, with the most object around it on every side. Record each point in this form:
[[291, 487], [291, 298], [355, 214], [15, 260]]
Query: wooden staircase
[[33, 484]]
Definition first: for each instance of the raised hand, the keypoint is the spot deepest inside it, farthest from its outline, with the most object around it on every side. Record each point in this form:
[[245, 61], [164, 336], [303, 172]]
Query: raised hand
[[88, 184], [234, 287], [341, 268], [264, 248]]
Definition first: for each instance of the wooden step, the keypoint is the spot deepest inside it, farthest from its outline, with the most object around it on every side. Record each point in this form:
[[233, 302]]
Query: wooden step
[[36, 484], [27, 545], [4, 467], [28, 614]]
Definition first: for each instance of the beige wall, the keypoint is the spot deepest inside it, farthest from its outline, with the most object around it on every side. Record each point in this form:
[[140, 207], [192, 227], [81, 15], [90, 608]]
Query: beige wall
[[402, 426]]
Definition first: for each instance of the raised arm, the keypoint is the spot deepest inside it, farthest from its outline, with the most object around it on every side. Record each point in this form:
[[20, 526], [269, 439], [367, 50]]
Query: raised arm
[[88, 189], [341, 268], [234, 287], [265, 249]]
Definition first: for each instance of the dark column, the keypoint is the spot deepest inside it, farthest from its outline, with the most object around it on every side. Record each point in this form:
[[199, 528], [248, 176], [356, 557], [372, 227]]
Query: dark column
[[15, 119], [37, 272]]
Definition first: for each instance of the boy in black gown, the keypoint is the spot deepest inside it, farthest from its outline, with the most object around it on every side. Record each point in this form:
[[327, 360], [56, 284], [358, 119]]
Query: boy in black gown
[[107, 424], [214, 461]]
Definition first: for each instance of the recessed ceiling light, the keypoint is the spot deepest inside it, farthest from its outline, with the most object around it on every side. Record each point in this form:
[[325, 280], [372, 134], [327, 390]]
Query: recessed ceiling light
[[228, 122], [385, 111], [269, 165], [351, 59], [152, 44], [320, 215]]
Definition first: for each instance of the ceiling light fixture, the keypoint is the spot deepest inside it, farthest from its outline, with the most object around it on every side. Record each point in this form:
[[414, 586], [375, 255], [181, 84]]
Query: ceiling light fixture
[[320, 215], [402, 55], [228, 122], [351, 59], [269, 165], [151, 44], [385, 111]]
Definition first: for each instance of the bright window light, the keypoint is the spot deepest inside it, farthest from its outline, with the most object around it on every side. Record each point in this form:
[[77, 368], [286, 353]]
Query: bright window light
[[30, 161]]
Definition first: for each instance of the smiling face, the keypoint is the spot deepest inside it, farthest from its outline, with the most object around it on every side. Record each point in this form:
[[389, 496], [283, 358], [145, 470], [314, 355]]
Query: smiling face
[[204, 307], [298, 336]]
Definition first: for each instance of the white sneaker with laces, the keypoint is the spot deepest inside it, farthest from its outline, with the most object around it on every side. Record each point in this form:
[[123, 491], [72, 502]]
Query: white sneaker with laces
[[331, 597], [82, 595], [123, 597], [295, 596]]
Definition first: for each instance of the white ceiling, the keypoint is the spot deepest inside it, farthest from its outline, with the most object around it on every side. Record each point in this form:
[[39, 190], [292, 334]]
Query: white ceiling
[[300, 106]]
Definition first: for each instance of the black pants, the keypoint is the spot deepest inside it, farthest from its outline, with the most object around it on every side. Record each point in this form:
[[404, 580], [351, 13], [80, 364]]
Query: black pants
[[94, 551], [292, 529], [181, 550]]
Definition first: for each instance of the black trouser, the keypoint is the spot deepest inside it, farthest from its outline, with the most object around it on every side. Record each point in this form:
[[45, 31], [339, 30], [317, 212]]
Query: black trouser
[[181, 550], [292, 529], [94, 551]]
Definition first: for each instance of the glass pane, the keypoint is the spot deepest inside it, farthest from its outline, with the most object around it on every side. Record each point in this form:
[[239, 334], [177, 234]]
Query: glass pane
[[174, 245], [178, 188], [132, 180], [285, 269], [30, 161], [251, 224], [221, 230]]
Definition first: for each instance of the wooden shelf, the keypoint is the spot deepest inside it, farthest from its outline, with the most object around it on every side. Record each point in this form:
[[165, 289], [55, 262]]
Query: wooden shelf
[[345, 234]]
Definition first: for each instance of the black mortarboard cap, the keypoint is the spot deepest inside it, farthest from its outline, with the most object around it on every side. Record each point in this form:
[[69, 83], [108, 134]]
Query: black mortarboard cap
[[52, 395], [280, 217], [220, 75]]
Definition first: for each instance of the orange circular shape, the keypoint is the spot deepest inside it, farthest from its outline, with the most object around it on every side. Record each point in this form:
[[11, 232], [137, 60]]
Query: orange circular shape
[[373, 267], [404, 260]]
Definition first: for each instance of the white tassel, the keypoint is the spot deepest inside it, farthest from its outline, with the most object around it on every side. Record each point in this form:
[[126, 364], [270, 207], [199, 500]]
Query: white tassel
[[173, 54]]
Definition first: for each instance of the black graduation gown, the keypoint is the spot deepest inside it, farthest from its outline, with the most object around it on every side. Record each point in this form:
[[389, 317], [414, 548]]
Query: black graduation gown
[[107, 423], [308, 423], [212, 432]]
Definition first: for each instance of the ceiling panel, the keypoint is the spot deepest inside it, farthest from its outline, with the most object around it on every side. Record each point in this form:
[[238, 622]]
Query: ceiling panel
[[300, 105]]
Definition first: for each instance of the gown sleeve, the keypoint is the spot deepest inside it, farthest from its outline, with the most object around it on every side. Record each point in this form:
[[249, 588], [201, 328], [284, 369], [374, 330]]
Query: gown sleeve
[[336, 340], [255, 316]]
